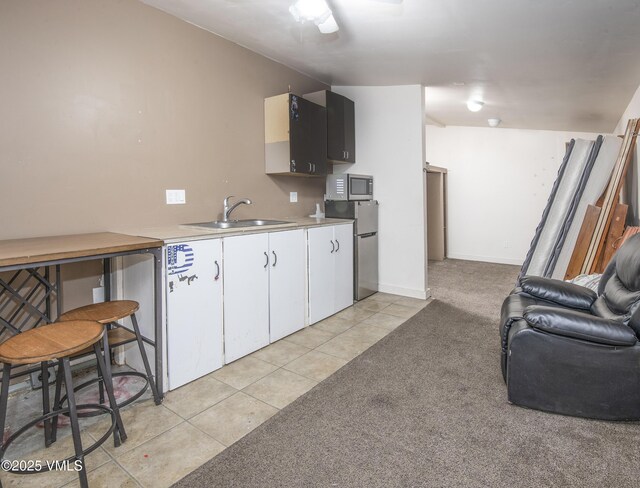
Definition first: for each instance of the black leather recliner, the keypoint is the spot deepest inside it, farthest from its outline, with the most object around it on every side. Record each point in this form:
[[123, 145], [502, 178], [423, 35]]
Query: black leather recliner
[[568, 350]]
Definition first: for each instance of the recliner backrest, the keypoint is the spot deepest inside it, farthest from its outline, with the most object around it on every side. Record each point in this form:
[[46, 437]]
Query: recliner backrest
[[608, 273], [619, 289]]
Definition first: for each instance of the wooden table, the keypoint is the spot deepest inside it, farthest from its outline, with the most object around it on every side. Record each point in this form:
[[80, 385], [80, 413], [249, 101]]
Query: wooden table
[[31, 287]]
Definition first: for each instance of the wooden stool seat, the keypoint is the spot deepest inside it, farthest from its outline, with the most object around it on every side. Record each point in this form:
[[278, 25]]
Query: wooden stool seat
[[48, 342], [105, 312]]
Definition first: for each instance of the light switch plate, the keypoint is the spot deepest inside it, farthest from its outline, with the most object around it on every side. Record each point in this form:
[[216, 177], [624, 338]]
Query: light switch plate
[[293, 196], [176, 197]]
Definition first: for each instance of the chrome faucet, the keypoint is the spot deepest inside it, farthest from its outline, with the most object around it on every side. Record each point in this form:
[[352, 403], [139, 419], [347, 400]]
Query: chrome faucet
[[228, 209]]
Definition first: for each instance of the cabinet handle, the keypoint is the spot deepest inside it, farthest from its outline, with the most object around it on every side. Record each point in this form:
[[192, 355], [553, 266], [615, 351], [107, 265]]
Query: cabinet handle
[[275, 259], [310, 168], [314, 167], [267, 263], [217, 270], [338, 243], [333, 247]]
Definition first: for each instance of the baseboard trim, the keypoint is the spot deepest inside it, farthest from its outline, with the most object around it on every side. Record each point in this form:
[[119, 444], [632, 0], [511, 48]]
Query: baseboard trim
[[405, 292], [486, 259]]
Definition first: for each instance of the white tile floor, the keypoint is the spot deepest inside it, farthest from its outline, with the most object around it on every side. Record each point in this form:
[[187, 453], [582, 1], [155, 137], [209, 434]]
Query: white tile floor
[[199, 420]]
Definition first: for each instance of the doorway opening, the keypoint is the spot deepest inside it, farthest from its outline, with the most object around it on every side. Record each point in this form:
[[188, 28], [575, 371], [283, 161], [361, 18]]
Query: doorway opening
[[436, 212]]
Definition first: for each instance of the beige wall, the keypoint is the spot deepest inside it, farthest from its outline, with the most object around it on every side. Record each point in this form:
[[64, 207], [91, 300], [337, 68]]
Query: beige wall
[[105, 104]]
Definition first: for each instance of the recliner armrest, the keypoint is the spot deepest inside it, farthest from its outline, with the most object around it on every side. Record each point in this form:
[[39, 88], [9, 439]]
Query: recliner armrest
[[558, 291], [579, 325]]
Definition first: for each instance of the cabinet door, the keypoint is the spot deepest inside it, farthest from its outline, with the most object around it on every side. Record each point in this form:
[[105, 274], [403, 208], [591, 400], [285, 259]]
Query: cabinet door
[[307, 136], [321, 249], [286, 283], [349, 130], [299, 134], [343, 288], [341, 131], [246, 295], [335, 127], [319, 143], [194, 310]]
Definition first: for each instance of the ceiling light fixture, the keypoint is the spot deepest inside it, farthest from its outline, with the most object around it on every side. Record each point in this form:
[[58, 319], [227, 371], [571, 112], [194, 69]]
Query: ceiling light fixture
[[494, 122], [329, 26], [316, 11], [475, 105]]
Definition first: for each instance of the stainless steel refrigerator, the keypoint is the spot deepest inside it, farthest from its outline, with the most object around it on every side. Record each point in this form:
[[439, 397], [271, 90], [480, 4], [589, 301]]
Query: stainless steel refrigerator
[[365, 242]]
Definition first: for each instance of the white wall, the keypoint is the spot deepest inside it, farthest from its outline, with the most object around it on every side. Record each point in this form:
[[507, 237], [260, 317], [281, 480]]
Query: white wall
[[499, 181], [389, 146], [632, 111]]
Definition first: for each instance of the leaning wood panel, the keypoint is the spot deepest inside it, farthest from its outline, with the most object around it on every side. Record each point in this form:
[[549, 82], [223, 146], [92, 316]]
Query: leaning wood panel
[[594, 253], [582, 243], [616, 229], [605, 202]]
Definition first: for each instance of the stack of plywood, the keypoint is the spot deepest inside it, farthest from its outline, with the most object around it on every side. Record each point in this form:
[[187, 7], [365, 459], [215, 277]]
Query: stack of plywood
[[604, 222], [583, 222], [595, 185]]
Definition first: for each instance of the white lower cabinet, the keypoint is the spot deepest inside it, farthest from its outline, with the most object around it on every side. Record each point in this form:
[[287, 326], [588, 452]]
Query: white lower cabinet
[[246, 295], [343, 259], [330, 270], [228, 297], [194, 310], [321, 273], [286, 283], [264, 296]]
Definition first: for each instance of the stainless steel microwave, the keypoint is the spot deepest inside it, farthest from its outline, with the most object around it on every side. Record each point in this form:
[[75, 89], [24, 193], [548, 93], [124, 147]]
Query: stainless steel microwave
[[349, 187]]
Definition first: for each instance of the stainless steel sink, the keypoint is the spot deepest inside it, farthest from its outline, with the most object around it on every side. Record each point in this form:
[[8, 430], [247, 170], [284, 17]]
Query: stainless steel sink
[[249, 223], [234, 224]]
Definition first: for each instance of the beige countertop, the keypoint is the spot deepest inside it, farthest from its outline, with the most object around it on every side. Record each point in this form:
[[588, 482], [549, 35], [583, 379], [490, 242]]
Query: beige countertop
[[180, 233]]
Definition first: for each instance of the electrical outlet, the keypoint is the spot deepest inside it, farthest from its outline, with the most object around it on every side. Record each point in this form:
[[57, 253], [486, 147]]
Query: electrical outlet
[[36, 377], [176, 197], [98, 294], [293, 196]]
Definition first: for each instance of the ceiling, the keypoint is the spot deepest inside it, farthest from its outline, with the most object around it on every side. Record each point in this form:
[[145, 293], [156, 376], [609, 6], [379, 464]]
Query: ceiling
[[537, 64]]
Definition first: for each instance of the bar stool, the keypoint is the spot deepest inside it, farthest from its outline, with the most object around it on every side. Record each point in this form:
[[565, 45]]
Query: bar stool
[[108, 313], [59, 342]]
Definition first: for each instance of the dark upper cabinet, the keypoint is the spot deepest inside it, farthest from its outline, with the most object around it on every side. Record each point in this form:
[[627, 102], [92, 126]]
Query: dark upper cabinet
[[295, 136], [307, 137], [341, 132]]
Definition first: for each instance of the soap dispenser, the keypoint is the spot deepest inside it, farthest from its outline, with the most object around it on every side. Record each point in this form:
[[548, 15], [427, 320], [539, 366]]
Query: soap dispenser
[[319, 213]]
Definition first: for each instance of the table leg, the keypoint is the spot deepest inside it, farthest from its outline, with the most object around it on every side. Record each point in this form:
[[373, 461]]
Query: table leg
[[157, 297], [106, 273]]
